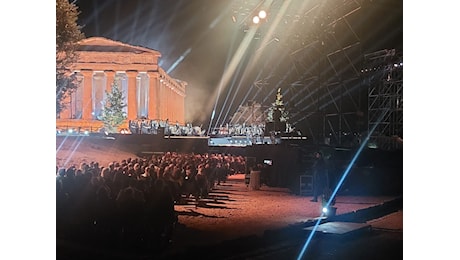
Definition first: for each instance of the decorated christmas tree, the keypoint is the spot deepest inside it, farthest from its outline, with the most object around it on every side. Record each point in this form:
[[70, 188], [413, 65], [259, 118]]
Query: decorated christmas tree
[[277, 112], [113, 114]]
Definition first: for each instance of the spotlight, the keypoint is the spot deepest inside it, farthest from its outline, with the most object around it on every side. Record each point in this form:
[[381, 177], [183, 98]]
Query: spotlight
[[256, 19], [328, 203], [262, 14], [329, 211]]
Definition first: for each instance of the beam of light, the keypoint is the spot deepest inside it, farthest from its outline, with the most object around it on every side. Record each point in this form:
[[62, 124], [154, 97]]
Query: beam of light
[[234, 97], [243, 101], [213, 114], [248, 38], [181, 58], [234, 63], [339, 184], [73, 150], [94, 15], [227, 97], [74, 146], [269, 36], [135, 21], [164, 31], [62, 143], [227, 61], [200, 37]]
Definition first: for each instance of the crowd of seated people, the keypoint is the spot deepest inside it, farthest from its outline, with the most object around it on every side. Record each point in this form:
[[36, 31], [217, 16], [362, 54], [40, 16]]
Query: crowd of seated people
[[130, 204]]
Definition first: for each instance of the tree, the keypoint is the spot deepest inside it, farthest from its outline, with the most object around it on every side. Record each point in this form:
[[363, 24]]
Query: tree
[[277, 112], [112, 113], [68, 34]]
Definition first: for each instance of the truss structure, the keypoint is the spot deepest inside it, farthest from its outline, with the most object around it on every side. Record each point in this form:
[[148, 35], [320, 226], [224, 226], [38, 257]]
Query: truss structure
[[385, 98]]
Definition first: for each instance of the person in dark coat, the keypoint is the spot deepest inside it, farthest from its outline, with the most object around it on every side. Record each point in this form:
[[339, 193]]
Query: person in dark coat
[[320, 177]]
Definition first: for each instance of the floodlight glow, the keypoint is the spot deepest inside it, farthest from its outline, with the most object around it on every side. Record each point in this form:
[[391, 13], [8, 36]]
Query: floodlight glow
[[70, 131], [262, 14], [86, 132], [325, 210], [256, 19]]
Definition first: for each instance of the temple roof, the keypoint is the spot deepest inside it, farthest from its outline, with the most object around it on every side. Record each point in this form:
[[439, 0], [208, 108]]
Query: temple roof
[[100, 44]]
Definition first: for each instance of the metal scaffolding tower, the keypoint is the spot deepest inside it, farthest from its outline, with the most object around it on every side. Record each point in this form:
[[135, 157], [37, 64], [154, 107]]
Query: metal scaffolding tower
[[384, 75]]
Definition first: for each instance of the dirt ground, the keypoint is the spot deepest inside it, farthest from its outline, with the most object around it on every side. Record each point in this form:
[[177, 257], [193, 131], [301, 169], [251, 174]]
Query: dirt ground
[[239, 211]]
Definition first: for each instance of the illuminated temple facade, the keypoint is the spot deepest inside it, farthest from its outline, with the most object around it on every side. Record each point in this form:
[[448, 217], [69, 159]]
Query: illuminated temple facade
[[149, 92]]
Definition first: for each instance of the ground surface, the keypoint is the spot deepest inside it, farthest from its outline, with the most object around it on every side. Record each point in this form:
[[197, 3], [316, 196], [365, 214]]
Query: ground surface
[[235, 212], [73, 151]]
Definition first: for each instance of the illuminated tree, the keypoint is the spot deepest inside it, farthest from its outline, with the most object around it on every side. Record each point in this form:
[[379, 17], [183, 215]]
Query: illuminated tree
[[68, 33], [277, 112], [112, 113]]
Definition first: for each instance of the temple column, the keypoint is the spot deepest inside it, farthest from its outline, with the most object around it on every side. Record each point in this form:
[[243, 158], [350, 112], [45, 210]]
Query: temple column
[[180, 105], [161, 99], [176, 106], [172, 107], [153, 95], [66, 113], [110, 75], [168, 104], [132, 99], [87, 99]]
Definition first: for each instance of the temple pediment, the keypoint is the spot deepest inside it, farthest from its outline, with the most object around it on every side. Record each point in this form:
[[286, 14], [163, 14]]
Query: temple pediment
[[100, 44], [98, 53]]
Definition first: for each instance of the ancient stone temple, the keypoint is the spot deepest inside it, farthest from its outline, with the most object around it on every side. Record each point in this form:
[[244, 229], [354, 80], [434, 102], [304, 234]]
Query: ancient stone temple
[[149, 92]]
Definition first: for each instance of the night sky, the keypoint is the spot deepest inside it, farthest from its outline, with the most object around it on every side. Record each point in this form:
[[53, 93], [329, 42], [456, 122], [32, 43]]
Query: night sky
[[210, 45]]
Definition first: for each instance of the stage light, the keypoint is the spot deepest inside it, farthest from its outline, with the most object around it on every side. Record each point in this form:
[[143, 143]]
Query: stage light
[[329, 211], [262, 14], [256, 19]]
